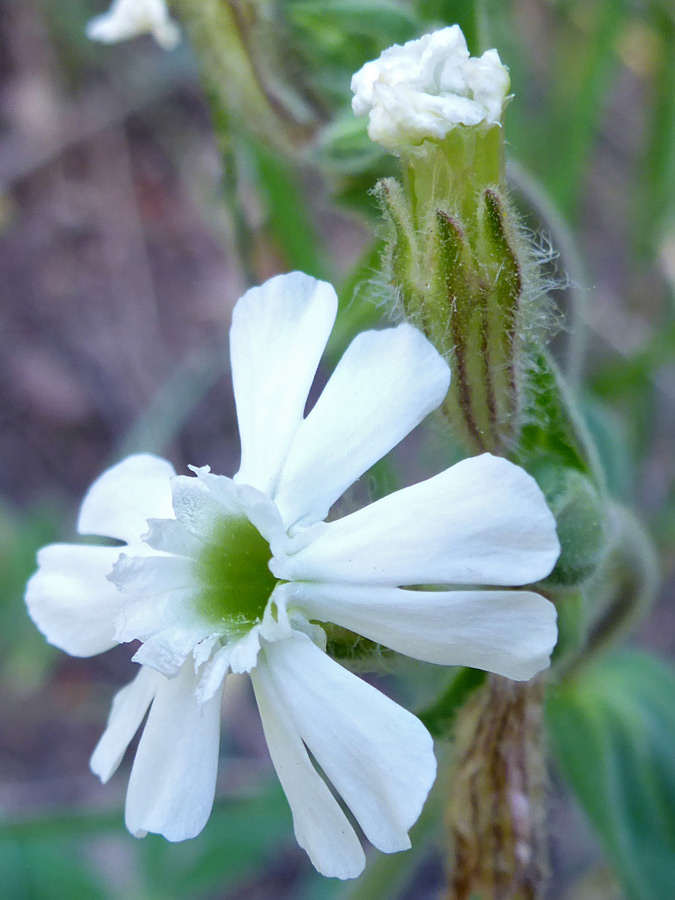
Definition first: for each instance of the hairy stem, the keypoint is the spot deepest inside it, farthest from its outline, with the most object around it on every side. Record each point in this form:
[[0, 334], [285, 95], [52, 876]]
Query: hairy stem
[[496, 807]]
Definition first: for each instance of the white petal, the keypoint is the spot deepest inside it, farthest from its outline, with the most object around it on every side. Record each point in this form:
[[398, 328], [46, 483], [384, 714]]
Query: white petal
[[123, 498], [199, 509], [377, 755], [244, 652], [203, 651], [385, 384], [173, 779], [222, 487], [167, 650], [483, 521], [158, 593], [510, 633], [71, 600], [279, 331], [130, 18], [213, 674], [264, 515], [276, 625], [321, 828], [148, 576], [129, 707], [169, 536], [160, 610]]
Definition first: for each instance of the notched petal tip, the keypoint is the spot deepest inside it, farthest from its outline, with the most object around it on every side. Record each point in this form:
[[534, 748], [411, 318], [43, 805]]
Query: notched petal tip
[[376, 754]]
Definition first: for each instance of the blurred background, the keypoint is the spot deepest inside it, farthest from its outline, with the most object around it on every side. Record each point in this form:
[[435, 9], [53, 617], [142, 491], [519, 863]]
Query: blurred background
[[123, 247]]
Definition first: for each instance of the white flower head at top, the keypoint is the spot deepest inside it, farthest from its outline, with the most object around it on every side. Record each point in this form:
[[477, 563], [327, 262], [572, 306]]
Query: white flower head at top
[[130, 18], [242, 574], [427, 87]]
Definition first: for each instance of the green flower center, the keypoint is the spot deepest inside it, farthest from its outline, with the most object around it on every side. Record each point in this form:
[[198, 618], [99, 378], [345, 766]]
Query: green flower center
[[233, 569]]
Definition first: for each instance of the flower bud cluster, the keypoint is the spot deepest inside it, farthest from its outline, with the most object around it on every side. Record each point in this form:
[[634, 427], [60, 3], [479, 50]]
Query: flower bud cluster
[[467, 276]]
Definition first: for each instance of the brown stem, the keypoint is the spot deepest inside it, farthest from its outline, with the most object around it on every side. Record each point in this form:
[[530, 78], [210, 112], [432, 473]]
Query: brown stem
[[496, 809]]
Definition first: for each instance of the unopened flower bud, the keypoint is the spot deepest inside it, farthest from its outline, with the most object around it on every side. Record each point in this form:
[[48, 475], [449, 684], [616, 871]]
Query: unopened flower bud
[[457, 260], [579, 515]]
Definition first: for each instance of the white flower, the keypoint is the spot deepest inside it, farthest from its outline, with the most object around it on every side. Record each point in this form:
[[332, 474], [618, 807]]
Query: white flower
[[426, 87], [225, 574], [130, 18]]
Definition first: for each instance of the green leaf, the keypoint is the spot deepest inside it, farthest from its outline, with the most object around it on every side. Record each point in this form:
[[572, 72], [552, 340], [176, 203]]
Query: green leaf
[[613, 731], [46, 870], [287, 212], [360, 306], [580, 105], [656, 201], [384, 20], [240, 837], [346, 149], [440, 717], [336, 37], [40, 857], [24, 654], [554, 430], [468, 14], [608, 433]]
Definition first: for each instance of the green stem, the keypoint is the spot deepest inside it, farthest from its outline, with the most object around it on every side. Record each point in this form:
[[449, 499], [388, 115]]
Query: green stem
[[244, 236]]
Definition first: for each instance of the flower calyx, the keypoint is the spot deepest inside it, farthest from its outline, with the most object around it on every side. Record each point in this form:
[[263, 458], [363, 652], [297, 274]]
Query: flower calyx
[[461, 280]]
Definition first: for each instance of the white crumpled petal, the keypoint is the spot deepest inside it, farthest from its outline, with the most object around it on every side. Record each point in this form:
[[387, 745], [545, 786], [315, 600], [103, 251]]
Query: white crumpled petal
[[71, 600], [150, 576], [384, 385], [173, 779], [213, 673], [426, 87], [130, 18], [244, 652], [510, 633], [169, 536], [321, 828], [159, 610], [167, 650], [377, 755], [129, 707], [483, 521], [278, 334], [198, 509], [124, 497]]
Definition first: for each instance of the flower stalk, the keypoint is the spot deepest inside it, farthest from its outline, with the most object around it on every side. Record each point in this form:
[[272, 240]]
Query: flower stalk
[[240, 49], [465, 274], [497, 801]]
